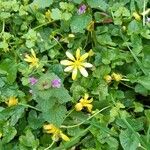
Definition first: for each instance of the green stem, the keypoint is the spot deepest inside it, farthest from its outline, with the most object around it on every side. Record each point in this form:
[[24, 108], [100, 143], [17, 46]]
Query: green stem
[[3, 28], [127, 85], [69, 113], [144, 13], [41, 25], [148, 135], [29, 106], [86, 40], [50, 145], [58, 43], [125, 80], [76, 125]]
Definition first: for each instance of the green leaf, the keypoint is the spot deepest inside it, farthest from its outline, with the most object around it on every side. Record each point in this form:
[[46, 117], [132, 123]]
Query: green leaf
[[105, 39], [9, 66], [138, 107], [41, 3], [55, 115], [136, 44], [34, 120], [56, 14], [141, 89], [79, 23], [134, 27], [101, 71], [145, 81], [128, 140], [9, 133], [77, 1], [29, 140], [100, 4]]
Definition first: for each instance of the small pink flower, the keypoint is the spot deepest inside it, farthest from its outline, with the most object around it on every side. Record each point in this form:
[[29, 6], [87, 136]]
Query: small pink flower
[[82, 9], [56, 83], [33, 80]]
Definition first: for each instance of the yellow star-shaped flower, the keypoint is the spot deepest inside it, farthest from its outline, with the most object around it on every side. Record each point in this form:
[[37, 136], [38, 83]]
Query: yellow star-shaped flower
[[76, 63], [12, 101], [57, 133], [84, 102], [32, 59]]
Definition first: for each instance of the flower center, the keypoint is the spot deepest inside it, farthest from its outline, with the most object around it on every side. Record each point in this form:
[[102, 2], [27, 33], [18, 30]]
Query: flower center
[[77, 63]]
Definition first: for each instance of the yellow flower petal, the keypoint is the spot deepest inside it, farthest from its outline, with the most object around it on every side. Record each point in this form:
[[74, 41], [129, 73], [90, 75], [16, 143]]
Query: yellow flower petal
[[33, 53], [78, 107], [64, 137], [87, 65], [84, 56], [74, 73], [28, 58], [12, 101], [70, 56], [69, 68], [89, 107], [78, 54], [83, 71], [86, 96], [66, 62]]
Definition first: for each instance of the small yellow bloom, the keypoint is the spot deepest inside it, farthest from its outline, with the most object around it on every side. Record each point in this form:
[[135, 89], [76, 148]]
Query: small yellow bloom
[[84, 103], [57, 133], [71, 35], [124, 28], [48, 15], [12, 101], [108, 78], [91, 53], [116, 77], [90, 26], [136, 16], [76, 63], [33, 60]]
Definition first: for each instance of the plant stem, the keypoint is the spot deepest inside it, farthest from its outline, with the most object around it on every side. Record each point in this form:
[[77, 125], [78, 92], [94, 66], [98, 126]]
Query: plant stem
[[43, 24], [29, 106], [144, 13], [3, 28], [50, 145], [76, 125]]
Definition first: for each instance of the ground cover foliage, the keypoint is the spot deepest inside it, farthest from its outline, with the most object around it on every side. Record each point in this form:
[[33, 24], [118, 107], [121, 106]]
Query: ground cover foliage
[[74, 75]]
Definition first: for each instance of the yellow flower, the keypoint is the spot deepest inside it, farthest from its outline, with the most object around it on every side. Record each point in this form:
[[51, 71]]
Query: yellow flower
[[84, 103], [12, 101], [90, 26], [32, 59], [48, 15], [76, 63], [136, 16], [91, 53], [57, 133], [116, 77], [108, 78]]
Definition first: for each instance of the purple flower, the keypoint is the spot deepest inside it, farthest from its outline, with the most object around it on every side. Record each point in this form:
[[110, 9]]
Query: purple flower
[[56, 83], [82, 9], [33, 80]]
